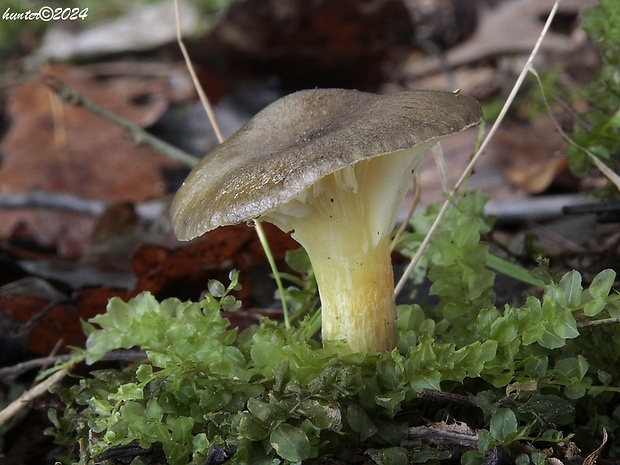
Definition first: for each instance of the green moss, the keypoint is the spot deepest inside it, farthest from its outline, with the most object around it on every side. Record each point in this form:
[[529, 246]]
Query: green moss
[[533, 373]]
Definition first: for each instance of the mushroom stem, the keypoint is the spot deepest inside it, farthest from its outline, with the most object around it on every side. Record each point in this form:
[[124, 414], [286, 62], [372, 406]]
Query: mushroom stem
[[344, 222], [357, 294]]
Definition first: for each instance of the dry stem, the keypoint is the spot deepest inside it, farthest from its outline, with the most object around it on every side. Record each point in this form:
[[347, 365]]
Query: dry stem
[[469, 168], [22, 401]]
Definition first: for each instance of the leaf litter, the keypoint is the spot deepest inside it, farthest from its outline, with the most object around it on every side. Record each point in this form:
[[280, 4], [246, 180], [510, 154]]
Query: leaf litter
[[292, 435]]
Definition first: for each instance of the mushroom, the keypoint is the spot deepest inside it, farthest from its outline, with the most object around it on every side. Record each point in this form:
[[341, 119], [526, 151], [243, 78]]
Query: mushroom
[[333, 166]]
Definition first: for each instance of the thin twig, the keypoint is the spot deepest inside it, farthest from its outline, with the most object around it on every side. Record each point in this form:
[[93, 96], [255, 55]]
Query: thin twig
[[443, 396], [69, 95], [52, 200], [22, 401], [201, 94], [469, 168], [603, 168], [149, 210], [8, 374], [207, 106], [417, 190], [437, 436], [605, 321]]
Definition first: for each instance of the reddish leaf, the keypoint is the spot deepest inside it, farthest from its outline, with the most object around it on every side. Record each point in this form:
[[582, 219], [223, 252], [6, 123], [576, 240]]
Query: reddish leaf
[[184, 272], [46, 326]]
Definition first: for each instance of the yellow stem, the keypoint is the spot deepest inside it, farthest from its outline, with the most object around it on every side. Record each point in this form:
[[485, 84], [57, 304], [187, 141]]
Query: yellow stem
[[357, 298]]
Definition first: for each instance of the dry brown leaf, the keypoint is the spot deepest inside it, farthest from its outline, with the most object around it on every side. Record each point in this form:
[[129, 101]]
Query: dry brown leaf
[[531, 156], [184, 272], [59, 148], [44, 316], [593, 457], [43, 324], [511, 27]]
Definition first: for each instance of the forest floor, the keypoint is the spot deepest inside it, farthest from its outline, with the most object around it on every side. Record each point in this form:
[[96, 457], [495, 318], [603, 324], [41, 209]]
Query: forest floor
[[84, 208]]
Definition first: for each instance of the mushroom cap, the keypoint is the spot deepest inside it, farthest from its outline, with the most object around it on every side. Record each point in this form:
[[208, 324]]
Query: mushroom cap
[[302, 137]]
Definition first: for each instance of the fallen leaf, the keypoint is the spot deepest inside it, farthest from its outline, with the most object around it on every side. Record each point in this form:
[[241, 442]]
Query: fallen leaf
[[184, 272], [60, 148], [510, 27], [531, 156], [143, 27], [44, 323], [54, 147], [593, 457]]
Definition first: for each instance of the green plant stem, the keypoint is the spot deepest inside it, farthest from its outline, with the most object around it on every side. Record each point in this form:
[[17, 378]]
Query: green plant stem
[[513, 270], [209, 110], [272, 263]]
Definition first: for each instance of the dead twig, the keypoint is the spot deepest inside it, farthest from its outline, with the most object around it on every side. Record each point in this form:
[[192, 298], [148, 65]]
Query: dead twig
[[69, 95], [14, 407], [604, 321], [148, 210], [9, 374], [441, 396], [445, 434], [190, 68], [470, 167], [593, 457], [52, 200], [209, 110]]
